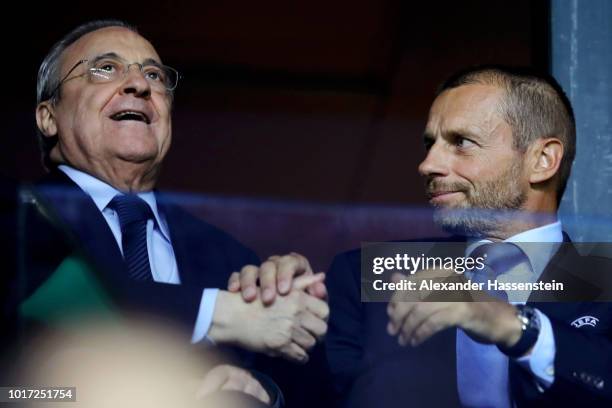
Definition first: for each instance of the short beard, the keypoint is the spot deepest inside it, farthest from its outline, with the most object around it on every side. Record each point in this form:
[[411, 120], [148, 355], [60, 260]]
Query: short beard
[[489, 207]]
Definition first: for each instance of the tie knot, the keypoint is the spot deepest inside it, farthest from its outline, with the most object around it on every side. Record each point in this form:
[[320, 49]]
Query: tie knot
[[500, 256], [130, 209]]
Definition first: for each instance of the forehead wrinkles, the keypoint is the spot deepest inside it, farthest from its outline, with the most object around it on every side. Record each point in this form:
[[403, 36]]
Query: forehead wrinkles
[[125, 43], [471, 107]]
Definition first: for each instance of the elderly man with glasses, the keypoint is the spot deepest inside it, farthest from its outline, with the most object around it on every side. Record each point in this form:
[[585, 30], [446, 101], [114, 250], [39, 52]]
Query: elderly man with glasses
[[104, 119]]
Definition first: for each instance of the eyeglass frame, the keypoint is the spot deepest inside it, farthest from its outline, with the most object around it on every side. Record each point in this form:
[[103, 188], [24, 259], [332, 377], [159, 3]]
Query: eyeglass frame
[[127, 69]]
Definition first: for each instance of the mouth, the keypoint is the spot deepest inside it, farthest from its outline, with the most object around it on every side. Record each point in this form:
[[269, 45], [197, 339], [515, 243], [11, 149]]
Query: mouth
[[439, 197], [433, 194], [132, 115]]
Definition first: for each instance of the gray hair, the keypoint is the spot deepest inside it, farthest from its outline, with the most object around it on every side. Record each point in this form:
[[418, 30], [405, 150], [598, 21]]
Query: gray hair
[[49, 74]]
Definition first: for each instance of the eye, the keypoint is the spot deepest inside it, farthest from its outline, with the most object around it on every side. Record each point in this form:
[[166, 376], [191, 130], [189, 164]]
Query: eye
[[463, 143], [104, 70], [107, 66], [155, 74]]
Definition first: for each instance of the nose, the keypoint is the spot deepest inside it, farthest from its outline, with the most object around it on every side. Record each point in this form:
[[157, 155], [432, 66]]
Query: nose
[[435, 162], [135, 82]]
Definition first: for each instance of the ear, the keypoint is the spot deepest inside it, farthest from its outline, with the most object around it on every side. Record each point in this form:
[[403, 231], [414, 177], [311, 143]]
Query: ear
[[45, 119], [546, 156]]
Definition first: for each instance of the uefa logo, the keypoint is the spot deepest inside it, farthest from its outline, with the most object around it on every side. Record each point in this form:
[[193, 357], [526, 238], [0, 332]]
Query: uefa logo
[[585, 321]]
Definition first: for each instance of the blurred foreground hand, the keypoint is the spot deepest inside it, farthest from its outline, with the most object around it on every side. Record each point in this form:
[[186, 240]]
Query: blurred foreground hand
[[133, 366]]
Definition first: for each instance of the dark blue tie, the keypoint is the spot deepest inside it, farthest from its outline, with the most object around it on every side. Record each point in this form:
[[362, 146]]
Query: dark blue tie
[[133, 216], [500, 258]]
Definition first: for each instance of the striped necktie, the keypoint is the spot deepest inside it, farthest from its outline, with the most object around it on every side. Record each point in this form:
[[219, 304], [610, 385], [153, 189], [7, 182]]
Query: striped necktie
[[499, 258], [133, 215], [482, 370]]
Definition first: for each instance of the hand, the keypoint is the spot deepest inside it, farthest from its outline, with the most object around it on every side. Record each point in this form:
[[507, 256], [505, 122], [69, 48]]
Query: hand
[[275, 276], [492, 321], [230, 378], [289, 327], [431, 276]]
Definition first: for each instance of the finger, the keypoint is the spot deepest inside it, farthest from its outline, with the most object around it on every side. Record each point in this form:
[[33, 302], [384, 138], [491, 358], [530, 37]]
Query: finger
[[254, 388], [404, 295], [317, 289], [437, 321], [397, 315], [290, 266], [401, 296], [267, 281], [243, 381], [392, 328], [315, 326], [395, 299], [390, 307], [237, 380], [213, 380], [420, 313], [410, 322], [294, 352], [304, 281], [248, 282], [233, 284], [303, 338], [318, 307]]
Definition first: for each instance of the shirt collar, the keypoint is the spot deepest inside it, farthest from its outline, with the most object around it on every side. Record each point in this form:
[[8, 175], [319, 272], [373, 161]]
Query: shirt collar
[[539, 244], [102, 194], [546, 233]]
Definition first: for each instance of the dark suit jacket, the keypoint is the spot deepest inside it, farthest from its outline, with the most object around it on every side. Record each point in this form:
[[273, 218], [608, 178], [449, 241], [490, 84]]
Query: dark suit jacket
[[370, 369], [62, 219], [583, 359], [57, 219]]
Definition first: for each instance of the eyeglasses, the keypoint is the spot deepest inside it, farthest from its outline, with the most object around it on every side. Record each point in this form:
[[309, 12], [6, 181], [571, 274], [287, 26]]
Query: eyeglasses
[[161, 78]]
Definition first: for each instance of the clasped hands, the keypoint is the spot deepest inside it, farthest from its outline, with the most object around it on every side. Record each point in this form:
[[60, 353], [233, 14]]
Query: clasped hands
[[284, 316], [414, 319]]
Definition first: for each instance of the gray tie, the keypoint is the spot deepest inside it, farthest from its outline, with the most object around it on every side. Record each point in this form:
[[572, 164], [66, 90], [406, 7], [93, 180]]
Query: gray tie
[[499, 258], [482, 370]]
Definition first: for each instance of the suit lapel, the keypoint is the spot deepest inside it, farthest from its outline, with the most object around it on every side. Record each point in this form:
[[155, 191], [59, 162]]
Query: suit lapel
[[76, 209], [566, 267], [205, 255], [180, 241]]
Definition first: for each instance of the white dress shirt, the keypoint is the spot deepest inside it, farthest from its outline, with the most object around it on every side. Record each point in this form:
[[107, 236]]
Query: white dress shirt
[[539, 244], [159, 244]]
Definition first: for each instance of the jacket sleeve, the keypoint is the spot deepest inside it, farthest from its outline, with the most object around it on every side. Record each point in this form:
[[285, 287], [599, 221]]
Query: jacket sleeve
[[344, 342], [582, 366]]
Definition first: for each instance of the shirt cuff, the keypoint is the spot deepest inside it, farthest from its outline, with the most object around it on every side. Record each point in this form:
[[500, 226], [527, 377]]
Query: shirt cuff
[[542, 357], [205, 315]]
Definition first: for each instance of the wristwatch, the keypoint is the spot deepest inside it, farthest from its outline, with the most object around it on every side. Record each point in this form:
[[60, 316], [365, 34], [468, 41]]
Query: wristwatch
[[530, 326]]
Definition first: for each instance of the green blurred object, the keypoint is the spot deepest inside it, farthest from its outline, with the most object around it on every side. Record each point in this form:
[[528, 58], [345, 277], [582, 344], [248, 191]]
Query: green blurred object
[[70, 295]]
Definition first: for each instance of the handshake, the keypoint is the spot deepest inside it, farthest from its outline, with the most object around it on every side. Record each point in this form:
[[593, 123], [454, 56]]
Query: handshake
[[285, 315]]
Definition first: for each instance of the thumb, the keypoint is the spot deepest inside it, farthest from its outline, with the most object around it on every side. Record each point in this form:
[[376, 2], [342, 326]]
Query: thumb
[[213, 381]]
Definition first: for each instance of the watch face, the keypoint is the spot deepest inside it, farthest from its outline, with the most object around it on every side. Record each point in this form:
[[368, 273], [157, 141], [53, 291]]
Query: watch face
[[530, 318], [530, 321]]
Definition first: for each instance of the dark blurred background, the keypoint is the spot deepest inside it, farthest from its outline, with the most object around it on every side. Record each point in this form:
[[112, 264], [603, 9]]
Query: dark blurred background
[[301, 100]]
